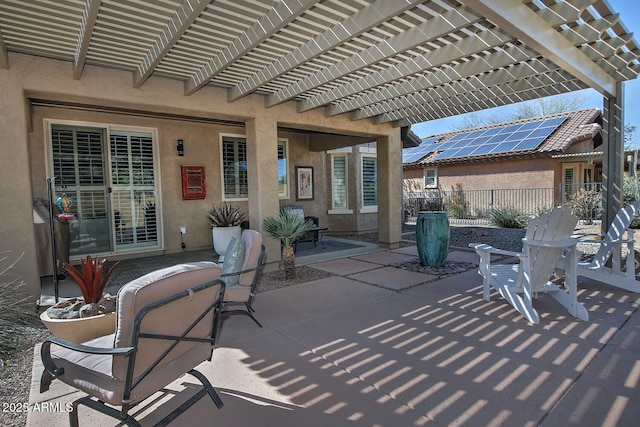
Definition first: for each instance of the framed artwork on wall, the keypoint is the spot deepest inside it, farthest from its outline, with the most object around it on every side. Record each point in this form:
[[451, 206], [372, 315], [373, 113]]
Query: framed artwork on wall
[[193, 184], [304, 183]]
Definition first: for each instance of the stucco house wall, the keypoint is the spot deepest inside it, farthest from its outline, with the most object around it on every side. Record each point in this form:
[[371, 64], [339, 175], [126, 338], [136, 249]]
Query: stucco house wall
[[525, 173]]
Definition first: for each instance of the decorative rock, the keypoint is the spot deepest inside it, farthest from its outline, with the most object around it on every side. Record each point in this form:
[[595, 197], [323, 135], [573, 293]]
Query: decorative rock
[[450, 267], [476, 233], [75, 308]]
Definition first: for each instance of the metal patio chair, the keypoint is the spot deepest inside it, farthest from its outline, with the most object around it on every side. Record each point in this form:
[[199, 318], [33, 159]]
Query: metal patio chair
[[167, 323]]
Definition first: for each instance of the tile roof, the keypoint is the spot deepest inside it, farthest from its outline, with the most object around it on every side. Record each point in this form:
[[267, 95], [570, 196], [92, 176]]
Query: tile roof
[[581, 125]]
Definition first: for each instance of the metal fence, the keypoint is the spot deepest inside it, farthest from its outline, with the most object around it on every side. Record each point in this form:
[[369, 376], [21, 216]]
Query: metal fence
[[474, 206]]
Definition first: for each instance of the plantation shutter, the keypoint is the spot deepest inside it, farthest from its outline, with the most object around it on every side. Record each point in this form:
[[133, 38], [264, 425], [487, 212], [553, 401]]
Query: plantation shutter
[[133, 193], [339, 183], [369, 181], [283, 186], [79, 165], [234, 166]]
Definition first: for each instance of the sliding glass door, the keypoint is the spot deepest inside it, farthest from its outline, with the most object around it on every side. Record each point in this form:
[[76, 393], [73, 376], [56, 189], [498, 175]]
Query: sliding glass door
[[112, 187]]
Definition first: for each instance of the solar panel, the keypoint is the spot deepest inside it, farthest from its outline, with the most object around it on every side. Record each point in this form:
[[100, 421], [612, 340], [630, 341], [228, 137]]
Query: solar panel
[[456, 137], [509, 129], [410, 155], [505, 147], [491, 132], [529, 126], [505, 139], [554, 122], [484, 149], [528, 144]]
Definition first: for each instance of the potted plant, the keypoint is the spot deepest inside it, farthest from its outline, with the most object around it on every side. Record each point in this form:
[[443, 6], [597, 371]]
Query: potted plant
[[225, 224], [288, 227], [93, 315]]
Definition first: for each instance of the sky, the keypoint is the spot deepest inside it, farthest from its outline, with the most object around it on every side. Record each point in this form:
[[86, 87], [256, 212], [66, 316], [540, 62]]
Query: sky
[[629, 11]]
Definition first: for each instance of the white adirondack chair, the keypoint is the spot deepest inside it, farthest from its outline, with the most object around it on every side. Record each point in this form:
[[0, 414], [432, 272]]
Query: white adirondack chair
[[610, 249], [547, 239]]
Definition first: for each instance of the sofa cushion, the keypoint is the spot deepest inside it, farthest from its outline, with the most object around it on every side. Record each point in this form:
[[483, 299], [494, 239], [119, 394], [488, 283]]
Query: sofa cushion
[[233, 259]]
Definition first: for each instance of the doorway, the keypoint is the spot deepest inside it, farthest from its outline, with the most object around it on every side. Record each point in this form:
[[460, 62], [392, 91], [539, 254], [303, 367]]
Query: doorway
[[112, 187]]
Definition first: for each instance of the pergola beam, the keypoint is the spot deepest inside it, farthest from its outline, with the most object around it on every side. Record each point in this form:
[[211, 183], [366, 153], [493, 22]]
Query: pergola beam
[[506, 78], [368, 105], [434, 28], [508, 61], [496, 97], [517, 19], [89, 18], [184, 16], [282, 14], [353, 26]]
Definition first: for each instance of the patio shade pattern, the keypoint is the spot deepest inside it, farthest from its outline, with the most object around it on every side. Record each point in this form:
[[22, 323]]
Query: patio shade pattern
[[401, 62]]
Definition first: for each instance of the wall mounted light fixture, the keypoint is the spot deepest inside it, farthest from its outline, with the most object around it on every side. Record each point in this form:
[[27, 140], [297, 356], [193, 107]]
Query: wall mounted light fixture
[[180, 147]]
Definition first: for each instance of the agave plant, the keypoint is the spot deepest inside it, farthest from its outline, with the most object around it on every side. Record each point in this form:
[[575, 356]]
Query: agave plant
[[91, 279], [288, 227], [225, 215]]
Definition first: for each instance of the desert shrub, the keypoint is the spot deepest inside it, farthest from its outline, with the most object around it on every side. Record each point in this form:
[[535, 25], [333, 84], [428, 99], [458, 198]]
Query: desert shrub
[[508, 217], [542, 210], [458, 206], [14, 307], [587, 204], [629, 195], [629, 189]]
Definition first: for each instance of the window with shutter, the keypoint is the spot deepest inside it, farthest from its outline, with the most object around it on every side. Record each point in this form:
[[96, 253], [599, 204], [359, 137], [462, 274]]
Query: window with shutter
[[234, 167], [339, 182], [570, 177], [283, 170], [369, 184]]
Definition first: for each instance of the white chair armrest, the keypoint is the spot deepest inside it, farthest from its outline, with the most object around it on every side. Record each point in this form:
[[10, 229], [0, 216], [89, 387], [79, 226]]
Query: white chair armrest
[[490, 249], [553, 244], [580, 235]]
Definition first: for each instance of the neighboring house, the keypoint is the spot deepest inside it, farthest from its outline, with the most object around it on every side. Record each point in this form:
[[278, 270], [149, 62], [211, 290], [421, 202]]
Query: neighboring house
[[544, 152]]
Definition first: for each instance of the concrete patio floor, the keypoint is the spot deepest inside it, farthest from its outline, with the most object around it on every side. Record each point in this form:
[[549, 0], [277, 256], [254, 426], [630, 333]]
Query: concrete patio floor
[[377, 346]]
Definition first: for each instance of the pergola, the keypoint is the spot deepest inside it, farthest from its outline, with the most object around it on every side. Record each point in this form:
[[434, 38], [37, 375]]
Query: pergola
[[398, 62]]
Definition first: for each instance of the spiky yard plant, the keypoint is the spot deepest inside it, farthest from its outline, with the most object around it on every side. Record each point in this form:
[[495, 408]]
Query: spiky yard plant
[[288, 227], [225, 215], [91, 279]]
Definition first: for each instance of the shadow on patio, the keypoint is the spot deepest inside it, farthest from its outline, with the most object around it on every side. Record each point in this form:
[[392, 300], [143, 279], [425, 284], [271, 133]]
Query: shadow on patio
[[379, 346]]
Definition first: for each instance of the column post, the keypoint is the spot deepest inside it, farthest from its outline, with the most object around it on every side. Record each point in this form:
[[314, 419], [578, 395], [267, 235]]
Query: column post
[[389, 151], [262, 174], [613, 157]]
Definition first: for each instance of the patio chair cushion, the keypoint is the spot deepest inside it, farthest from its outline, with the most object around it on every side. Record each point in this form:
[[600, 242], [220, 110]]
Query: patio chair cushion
[[253, 245], [233, 260], [91, 372]]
